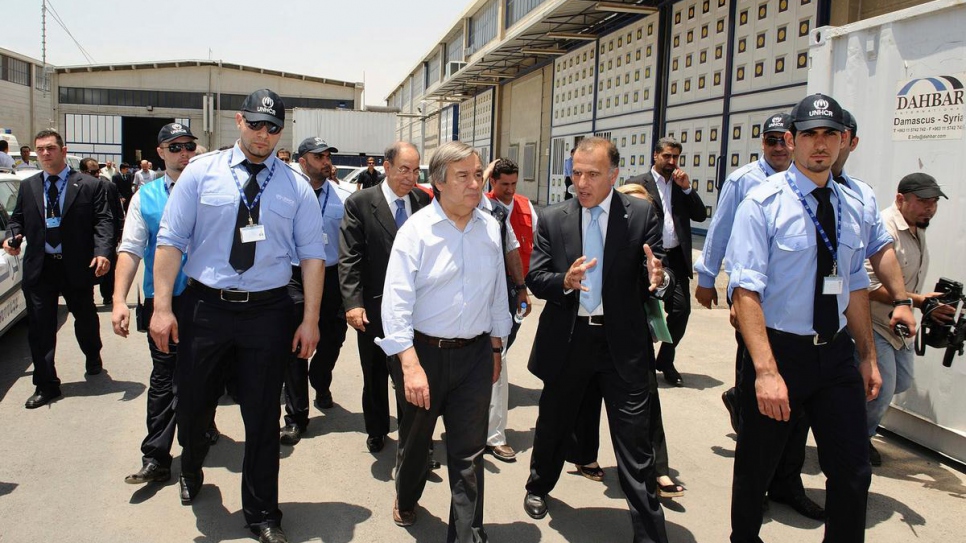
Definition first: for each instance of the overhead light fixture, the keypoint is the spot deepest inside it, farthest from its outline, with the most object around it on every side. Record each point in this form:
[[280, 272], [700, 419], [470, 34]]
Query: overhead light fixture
[[571, 36], [541, 51], [625, 8]]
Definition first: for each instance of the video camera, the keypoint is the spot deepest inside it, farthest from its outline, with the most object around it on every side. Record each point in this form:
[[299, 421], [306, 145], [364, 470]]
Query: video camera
[[951, 336]]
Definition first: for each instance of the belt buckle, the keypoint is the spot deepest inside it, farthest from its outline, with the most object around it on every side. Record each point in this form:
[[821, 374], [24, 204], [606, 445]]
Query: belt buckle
[[56, 256], [591, 320], [816, 340], [447, 343], [221, 294]]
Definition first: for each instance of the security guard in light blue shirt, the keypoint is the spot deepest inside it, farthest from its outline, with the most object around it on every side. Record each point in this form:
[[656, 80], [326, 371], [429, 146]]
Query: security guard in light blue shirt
[[315, 162], [242, 216], [796, 280]]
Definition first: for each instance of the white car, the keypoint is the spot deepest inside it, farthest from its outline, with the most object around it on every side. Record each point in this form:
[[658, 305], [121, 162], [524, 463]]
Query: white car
[[13, 305], [354, 176]]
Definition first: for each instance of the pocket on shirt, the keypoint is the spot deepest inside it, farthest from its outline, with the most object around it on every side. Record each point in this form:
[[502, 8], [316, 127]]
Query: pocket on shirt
[[283, 208], [798, 242], [215, 199]]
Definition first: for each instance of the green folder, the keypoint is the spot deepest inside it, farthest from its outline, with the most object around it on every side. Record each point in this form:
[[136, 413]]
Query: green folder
[[656, 321]]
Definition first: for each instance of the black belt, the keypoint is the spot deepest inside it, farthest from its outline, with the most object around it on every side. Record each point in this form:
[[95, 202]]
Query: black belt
[[811, 339], [444, 343], [593, 320], [54, 256], [238, 296]]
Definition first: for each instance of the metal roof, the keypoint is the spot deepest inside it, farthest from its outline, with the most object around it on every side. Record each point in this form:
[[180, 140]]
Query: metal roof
[[510, 57]]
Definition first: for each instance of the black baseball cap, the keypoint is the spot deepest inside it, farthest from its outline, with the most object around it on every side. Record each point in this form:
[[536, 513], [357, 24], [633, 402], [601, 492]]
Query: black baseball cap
[[315, 145], [172, 131], [818, 111], [777, 122], [264, 105], [850, 123], [922, 185]]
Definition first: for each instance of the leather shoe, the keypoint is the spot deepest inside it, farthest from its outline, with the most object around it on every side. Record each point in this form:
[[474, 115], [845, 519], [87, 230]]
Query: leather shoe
[[190, 485], [672, 376], [730, 399], [94, 365], [323, 401], [403, 518], [502, 452], [874, 457], [150, 473], [375, 443], [271, 533], [803, 504], [535, 506], [432, 464], [42, 398], [290, 435]]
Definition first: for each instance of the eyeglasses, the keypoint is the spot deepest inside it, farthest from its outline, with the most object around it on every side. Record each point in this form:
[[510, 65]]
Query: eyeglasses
[[177, 147], [406, 171], [258, 125], [771, 142]]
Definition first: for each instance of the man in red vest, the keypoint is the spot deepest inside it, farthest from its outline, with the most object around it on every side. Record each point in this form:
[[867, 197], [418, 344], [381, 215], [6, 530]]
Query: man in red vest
[[502, 175]]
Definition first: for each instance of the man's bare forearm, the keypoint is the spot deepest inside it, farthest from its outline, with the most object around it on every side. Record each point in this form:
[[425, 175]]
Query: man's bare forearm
[[751, 322], [886, 268], [167, 264], [313, 282], [127, 267]]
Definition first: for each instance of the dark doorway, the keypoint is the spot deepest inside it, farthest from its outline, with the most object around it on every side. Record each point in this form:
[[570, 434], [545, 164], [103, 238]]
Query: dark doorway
[[140, 134]]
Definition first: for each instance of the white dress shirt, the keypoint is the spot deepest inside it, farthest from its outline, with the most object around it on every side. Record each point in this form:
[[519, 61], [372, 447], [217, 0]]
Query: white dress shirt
[[135, 236], [444, 282], [391, 200], [666, 188]]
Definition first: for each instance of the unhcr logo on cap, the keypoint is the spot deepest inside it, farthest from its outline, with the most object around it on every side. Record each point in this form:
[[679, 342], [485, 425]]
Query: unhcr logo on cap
[[177, 129], [268, 106]]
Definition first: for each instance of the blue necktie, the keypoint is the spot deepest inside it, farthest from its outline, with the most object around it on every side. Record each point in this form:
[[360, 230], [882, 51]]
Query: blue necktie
[[593, 248], [400, 212]]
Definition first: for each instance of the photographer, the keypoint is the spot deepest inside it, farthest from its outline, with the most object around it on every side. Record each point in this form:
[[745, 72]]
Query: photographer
[[906, 220]]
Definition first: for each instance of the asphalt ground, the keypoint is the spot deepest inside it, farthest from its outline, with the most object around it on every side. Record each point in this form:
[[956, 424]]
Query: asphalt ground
[[62, 467]]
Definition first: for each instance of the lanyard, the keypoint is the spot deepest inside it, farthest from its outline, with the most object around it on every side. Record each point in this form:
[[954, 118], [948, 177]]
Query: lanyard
[[52, 204], [328, 185], [258, 197], [818, 227]]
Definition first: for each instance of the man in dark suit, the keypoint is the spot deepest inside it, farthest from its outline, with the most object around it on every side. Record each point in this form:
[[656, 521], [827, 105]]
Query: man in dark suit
[[678, 204], [596, 261], [372, 217], [64, 217], [122, 180], [93, 169]]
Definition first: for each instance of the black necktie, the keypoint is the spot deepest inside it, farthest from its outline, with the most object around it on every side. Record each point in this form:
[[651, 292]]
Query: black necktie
[[52, 235], [840, 179], [825, 317], [243, 254]]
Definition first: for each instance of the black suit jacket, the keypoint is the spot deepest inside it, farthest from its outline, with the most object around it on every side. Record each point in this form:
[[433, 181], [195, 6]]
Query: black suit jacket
[[365, 240], [684, 207], [631, 223], [86, 227], [117, 210], [123, 184]]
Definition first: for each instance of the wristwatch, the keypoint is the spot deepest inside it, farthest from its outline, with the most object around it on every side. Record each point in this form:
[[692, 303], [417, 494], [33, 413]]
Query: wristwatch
[[897, 303], [667, 281], [517, 289]]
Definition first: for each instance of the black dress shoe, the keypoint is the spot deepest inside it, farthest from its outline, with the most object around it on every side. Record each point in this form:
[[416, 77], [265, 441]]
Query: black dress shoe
[[672, 376], [535, 506], [730, 399], [190, 485], [803, 504], [323, 401], [42, 398], [271, 533], [150, 473], [290, 435], [94, 365], [432, 464], [375, 443]]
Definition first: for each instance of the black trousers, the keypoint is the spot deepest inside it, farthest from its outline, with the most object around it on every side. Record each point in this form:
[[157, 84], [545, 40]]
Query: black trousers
[[824, 384], [42, 301], [678, 307], [375, 385], [260, 335], [300, 373], [585, 440], [460, 381], [107, 281], [162, 397], [628, 413], [787, 481]]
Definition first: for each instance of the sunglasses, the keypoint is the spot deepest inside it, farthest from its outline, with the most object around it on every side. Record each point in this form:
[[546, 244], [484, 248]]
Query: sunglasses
[[258, 125], [177, 147], [771, 142]]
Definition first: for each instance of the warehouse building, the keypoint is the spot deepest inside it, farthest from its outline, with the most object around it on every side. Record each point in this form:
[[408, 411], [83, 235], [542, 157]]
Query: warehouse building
[[527, 79], [114, 111]]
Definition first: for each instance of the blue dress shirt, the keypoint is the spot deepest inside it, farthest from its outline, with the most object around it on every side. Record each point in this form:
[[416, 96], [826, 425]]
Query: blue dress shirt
[[773, 250], [333, 209], [199, 220], [444, 282], [61, 192], [733, 191], [874, 233]]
